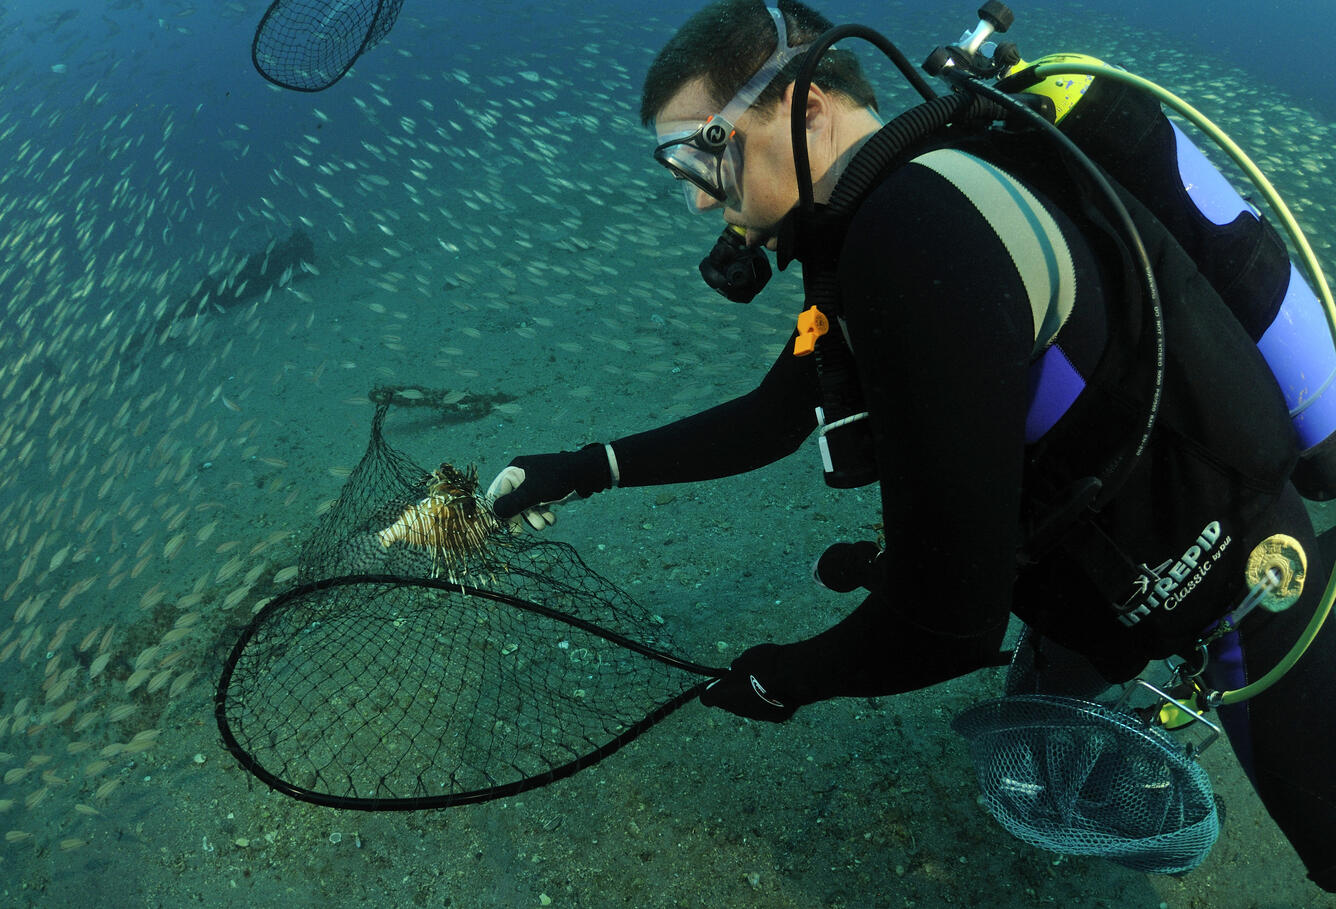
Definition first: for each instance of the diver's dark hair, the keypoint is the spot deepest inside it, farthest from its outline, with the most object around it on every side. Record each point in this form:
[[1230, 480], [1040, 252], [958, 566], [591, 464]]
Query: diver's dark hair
[[729, 40]]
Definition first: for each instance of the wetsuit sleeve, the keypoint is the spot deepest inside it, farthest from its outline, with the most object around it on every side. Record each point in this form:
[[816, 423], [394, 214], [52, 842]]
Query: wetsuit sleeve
[[743, 434], [941, 327]]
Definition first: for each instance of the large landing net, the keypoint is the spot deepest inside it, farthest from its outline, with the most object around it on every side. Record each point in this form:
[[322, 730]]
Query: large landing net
[[430, 657]]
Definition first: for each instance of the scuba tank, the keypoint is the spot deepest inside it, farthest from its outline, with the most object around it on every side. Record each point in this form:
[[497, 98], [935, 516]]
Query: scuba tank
[[1238, 252]]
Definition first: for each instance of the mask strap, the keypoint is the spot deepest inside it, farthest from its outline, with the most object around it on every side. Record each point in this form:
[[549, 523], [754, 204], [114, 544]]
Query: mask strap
[[758, 83]]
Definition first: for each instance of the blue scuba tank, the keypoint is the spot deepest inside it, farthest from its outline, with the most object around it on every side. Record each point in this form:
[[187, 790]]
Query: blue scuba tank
[[1125, 131], [1297, 343]]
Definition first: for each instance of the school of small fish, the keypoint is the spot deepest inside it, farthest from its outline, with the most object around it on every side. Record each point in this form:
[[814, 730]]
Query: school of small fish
[[172, 421]]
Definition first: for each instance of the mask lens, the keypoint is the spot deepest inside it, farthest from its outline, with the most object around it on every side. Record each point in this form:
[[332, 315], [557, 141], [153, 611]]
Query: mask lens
[[707, 157]]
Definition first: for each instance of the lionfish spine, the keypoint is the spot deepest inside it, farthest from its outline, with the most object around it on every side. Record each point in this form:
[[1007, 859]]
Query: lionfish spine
[[450, 528]]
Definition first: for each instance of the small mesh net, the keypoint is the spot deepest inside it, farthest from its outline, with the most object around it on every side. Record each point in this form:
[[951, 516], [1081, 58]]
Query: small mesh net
[[1081, 778], [430, 657], [308, 45]]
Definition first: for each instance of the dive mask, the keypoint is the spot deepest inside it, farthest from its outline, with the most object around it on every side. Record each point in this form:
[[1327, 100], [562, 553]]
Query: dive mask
[[707, 155]]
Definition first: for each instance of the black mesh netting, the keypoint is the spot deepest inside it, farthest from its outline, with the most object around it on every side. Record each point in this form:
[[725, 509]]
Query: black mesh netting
[[308, 45], [429, 657]]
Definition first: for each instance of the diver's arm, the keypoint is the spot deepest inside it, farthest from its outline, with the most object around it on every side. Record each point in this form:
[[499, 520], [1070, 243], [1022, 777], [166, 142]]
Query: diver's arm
[[751, 431], [941, 328], [948, 321], [740, 435]]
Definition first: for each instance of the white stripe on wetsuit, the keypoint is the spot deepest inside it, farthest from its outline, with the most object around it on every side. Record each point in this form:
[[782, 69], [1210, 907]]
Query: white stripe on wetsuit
[[1028, 232]]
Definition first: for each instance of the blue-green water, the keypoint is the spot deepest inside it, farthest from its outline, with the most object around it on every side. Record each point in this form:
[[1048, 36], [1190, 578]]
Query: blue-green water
[[485, 219]]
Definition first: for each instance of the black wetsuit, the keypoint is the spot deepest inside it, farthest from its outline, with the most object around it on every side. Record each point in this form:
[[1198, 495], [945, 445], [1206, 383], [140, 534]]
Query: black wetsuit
[[942, 326]]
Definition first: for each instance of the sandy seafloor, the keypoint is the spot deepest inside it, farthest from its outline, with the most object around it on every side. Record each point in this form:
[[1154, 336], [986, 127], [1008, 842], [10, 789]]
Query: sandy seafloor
[[571, 288]]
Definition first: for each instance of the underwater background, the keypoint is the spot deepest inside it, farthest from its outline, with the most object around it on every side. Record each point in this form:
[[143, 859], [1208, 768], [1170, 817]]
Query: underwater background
[[473, 211]]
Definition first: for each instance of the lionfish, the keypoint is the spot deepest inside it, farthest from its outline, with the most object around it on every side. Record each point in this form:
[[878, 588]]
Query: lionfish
[[453, 523]]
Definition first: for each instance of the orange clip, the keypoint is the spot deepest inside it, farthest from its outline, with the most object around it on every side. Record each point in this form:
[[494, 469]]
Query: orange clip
[[812, 324]]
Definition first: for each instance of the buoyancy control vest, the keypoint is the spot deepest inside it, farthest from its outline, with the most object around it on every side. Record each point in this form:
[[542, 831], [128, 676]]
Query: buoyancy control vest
[[1141, 576], [1170, 555]]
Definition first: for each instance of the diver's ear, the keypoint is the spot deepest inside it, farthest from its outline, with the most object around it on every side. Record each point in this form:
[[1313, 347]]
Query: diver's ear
[[819, 106]]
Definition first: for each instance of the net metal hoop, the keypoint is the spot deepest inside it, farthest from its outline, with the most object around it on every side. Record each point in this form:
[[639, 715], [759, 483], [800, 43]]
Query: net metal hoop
[[253, 765], [282, 54], [1120, 815]]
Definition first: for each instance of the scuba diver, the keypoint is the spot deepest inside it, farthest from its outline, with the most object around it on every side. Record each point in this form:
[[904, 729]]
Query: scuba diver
[[989, 351]]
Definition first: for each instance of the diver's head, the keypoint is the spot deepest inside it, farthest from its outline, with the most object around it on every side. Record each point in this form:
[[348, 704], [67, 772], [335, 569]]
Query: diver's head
[[719, 96]]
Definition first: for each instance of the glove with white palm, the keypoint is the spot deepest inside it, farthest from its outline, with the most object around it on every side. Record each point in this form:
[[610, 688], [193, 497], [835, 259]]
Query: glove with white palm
[[528, 488]]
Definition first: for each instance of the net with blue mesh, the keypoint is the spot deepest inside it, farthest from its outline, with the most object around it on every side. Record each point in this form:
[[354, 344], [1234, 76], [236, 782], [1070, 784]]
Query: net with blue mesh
[[1066, 764], [1082, 778]]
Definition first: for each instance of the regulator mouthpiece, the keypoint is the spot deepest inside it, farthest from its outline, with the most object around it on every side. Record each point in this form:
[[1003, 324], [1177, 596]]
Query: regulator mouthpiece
[[733, 268]]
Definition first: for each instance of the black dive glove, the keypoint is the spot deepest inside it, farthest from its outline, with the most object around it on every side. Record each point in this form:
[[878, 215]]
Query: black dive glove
[[753, 687], [844, 567], [532, 483]]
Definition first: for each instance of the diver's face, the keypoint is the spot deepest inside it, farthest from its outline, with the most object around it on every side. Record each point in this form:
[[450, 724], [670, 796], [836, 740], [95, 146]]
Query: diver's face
[[768, 189]]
